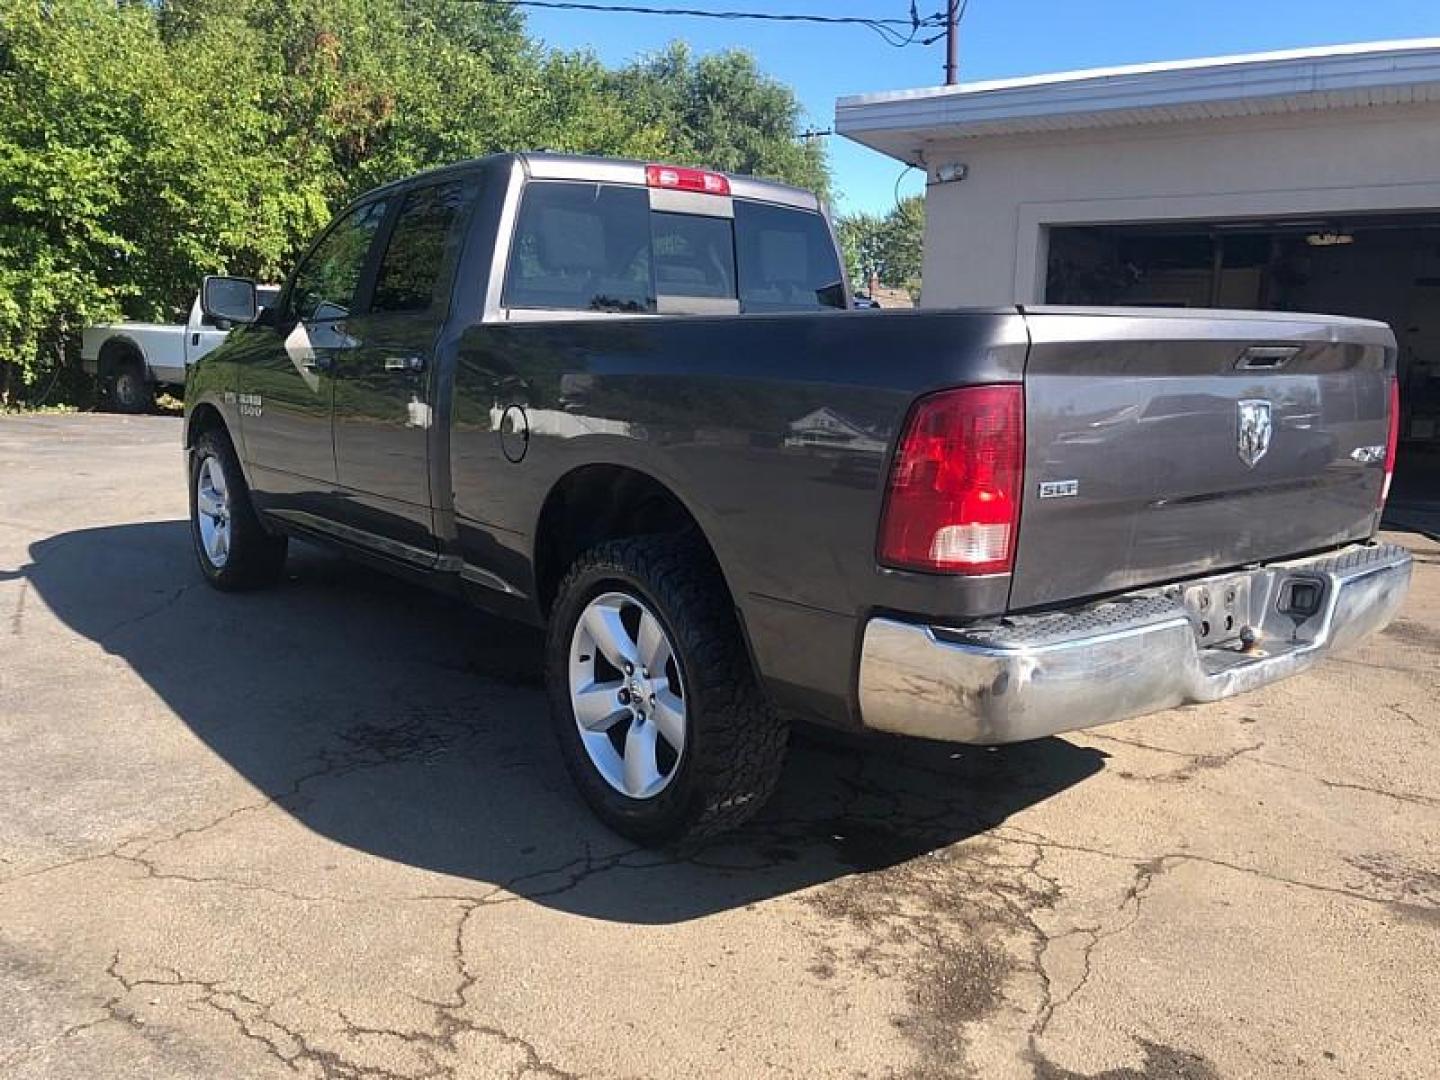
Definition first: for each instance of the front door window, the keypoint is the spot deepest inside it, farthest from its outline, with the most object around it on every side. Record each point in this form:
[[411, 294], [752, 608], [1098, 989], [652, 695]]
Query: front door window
[[327, 283]]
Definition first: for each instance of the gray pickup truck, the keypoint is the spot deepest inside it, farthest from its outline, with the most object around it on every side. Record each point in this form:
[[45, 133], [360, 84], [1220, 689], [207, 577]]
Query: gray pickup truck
[[630, 403]]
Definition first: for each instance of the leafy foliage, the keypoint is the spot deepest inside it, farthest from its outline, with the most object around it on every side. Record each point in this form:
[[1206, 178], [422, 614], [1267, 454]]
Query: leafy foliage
[[886, 246], [720, 111], [143, 145]]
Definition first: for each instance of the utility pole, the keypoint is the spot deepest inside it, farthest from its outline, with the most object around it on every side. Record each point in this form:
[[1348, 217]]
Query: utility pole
[[952, 18]]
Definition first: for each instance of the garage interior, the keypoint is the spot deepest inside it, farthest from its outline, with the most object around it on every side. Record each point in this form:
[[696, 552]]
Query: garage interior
[[1384, 267]]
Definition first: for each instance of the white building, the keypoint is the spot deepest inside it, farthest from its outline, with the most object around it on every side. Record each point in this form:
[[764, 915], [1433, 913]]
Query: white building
[[1303, 180]]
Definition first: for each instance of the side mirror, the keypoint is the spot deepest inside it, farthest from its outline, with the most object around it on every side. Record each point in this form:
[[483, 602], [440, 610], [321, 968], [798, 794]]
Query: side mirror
[[228, 299]]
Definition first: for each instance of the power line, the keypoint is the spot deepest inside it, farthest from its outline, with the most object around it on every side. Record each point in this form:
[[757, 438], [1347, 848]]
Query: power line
[[888, 29], [903, 173]]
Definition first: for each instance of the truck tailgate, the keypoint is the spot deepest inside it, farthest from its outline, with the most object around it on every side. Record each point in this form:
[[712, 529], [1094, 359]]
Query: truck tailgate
[[1164, 444]]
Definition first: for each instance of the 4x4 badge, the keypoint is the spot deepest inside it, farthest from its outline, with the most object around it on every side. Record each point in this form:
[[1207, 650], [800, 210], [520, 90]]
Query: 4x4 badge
[[1252, 430]]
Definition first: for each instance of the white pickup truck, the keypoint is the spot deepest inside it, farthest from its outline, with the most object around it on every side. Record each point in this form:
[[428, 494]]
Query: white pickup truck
[[133, 360]]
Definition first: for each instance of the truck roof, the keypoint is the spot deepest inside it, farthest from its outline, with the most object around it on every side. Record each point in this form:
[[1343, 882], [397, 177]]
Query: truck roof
[[547, 165]]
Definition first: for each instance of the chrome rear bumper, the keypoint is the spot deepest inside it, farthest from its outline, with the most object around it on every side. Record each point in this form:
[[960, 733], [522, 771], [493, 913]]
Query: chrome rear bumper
[[1031, 676]]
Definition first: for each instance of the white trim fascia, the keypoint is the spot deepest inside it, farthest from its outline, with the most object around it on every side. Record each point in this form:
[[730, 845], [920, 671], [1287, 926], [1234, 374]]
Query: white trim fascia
[[1299, 80]]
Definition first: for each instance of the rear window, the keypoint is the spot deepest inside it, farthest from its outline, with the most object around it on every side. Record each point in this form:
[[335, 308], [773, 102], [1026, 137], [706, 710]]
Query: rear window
[[582, 247], [786, 259], [599, 247], [693, 255]]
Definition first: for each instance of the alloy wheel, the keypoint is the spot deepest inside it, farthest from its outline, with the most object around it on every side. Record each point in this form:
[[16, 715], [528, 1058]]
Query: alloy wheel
[[212, 511], [628, 695]]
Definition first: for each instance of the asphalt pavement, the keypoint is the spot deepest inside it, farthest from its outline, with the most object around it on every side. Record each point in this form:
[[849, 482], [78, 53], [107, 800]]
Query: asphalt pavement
[[321, 831]]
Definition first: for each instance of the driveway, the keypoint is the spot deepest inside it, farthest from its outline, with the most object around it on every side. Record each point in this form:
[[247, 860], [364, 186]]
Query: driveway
[[320, 831]]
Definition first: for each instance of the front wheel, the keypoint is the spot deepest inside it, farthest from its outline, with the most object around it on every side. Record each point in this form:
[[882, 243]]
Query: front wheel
[[658, 714], [233, 548]]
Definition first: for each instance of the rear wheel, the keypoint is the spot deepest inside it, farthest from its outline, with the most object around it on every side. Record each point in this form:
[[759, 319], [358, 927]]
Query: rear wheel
[[130, 391], [659, 717], [232, 547]]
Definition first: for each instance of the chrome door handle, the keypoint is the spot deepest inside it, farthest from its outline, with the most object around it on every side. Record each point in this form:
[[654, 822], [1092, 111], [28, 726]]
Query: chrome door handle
[[412, 364]]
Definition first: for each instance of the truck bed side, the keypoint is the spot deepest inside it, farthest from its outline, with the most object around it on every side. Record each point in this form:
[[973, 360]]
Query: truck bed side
[[775, 432], [160, 346]]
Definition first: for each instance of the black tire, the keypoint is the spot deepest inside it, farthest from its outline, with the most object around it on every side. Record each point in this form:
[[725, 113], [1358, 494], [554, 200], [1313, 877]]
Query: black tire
[[735, 742], [255, 558], [130, 391]]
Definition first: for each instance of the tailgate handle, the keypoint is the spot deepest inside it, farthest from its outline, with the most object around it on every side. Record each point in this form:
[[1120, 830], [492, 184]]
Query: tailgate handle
[[1267, 356]]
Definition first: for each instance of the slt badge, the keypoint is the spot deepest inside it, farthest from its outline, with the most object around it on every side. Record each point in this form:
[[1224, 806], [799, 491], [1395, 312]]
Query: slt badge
[[1252, 430]]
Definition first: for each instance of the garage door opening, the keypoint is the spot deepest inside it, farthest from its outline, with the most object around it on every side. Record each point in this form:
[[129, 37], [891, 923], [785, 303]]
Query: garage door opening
[[1384, 267]]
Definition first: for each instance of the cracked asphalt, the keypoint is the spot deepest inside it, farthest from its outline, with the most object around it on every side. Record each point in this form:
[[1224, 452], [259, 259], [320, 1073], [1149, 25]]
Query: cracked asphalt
[[320, 831]]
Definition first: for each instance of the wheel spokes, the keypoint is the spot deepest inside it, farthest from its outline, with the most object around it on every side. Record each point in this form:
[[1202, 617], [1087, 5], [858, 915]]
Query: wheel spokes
[[652, 646], [216, 475], [668, 714], [606, 629], [597, 708], [207, 502], [642, 769]]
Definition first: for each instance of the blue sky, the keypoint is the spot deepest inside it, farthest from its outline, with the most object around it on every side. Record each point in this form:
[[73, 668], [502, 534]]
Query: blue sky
[[998, 39]]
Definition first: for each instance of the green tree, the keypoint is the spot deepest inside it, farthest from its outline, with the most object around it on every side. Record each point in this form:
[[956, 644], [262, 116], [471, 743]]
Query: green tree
[[887, 246], [74, 82], [572, 107], [860, 241], [128, 170], [364, 91], [721, 111], [144, 143]]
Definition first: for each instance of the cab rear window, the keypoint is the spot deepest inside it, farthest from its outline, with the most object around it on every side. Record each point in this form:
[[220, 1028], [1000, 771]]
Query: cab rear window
[[582, 247], [693, 255], [599, 247], [786, 260]]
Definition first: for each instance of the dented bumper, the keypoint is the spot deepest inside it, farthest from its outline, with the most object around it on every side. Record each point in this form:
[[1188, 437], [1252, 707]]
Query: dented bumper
[[1027, 677]]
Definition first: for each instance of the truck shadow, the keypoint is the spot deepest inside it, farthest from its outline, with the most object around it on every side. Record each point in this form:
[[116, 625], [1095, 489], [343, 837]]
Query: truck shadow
[[406, 726]]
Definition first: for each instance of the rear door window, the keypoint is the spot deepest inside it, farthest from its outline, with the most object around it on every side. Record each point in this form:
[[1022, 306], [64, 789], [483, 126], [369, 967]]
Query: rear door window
[[787, 260], [415, 270], [582, 247]]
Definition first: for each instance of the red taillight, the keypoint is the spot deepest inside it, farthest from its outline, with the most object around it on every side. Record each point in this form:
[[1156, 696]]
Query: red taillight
[[671, 176], [1392, 440], [953, 503]]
